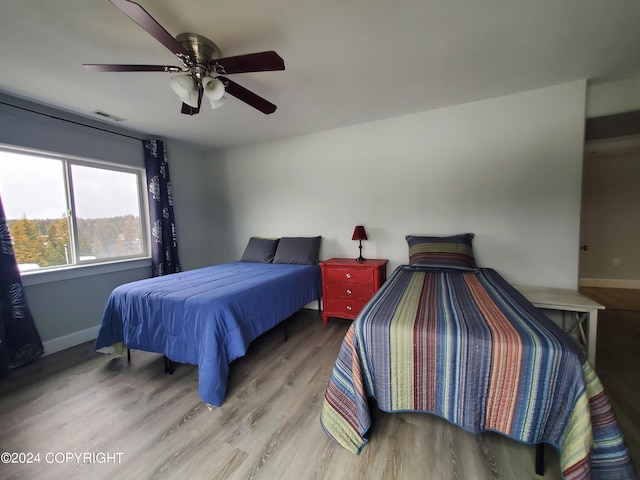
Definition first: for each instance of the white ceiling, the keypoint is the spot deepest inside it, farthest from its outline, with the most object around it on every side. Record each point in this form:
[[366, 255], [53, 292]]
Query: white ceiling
[[347, 61]]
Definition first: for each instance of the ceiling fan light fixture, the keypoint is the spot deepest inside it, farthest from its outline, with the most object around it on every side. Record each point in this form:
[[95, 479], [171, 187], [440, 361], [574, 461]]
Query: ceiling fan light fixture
[[217, 103], [214, 91], [213, 88], [185, 88], [200, 57]]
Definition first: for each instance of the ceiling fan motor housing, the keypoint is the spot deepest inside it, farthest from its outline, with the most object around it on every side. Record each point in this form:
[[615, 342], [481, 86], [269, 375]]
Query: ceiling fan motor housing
[[201, 49]]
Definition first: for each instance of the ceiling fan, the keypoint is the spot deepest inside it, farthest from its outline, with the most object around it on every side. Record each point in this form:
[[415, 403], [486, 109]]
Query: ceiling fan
[[202, 68]]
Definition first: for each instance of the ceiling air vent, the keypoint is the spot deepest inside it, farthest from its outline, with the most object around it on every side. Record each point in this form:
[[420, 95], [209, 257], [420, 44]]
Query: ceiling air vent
[[109, 116]]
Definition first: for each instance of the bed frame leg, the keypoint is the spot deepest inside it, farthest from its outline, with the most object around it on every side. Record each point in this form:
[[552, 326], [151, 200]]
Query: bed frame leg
[[168, 366], [540, 459], [129, 355], [319, 308]]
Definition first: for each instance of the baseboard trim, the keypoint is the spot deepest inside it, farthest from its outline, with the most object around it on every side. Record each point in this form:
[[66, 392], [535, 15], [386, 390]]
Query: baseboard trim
[[71, 340], [609, 283]]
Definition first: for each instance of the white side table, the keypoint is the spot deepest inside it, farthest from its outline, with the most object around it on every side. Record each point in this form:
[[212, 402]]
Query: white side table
[[583, 308]]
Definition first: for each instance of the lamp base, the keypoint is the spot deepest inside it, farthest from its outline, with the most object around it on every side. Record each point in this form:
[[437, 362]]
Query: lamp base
[[360, 258]]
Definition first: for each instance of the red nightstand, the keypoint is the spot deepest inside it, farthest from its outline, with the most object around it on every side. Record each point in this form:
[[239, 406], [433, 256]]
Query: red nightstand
[[347, 285]]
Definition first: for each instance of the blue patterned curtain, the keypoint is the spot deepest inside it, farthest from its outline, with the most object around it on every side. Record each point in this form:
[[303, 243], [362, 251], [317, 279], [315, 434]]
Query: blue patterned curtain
[[19, 339], [164, 244]]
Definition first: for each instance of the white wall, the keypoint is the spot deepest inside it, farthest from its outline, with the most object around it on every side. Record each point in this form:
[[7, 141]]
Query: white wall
[[195, 222], [507, 169]]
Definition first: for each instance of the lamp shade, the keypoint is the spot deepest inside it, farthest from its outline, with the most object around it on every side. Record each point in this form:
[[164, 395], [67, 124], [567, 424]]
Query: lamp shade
[[185, 88], [214, 91], [359, 233], [217, 103], [213, 88]]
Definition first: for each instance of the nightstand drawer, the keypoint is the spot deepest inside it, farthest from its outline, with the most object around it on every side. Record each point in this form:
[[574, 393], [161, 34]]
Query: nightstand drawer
[[344, 308], [360, 291], [355, 275]]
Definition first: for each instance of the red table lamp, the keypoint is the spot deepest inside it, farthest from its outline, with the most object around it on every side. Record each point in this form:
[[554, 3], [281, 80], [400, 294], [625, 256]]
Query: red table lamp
[[359, 234]]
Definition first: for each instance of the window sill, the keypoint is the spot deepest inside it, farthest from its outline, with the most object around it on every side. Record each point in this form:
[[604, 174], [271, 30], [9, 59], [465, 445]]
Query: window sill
[[79, 271]]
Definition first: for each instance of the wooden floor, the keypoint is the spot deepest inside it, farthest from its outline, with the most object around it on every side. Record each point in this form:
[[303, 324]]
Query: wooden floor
[[614, 298], [155, 427]]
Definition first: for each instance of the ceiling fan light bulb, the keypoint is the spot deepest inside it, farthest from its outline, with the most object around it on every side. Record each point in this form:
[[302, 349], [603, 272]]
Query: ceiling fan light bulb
[[213, 89]]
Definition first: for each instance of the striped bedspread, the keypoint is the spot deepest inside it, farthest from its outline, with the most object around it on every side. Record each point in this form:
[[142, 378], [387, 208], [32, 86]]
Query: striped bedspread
[[470, 348]]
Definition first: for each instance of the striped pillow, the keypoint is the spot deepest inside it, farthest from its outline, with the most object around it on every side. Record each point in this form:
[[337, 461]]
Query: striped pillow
[[455, 251]]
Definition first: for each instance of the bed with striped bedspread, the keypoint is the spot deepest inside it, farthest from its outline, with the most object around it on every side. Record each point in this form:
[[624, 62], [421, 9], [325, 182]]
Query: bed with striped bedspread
[[468, 347]]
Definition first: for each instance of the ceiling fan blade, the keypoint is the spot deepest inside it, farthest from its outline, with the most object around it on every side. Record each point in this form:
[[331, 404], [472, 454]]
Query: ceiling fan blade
[[189, 110], [247, 96], [139, 15], [251, 62], [100, 67]]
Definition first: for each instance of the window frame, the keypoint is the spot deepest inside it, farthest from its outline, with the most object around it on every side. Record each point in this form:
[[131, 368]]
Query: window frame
[[80, 266]]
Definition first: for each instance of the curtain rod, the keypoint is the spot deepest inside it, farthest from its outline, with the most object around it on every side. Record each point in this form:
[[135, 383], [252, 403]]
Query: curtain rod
[[70, 121]]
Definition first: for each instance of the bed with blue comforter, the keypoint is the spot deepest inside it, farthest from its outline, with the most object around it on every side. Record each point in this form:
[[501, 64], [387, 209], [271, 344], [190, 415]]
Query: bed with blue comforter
[[465, 345], [208, 316]]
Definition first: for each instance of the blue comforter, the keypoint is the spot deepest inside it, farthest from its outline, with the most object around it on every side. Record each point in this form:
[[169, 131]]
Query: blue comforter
[[209, 316]]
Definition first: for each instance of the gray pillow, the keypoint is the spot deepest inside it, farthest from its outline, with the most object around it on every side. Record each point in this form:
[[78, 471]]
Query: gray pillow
[[298, 250], [260, 250]]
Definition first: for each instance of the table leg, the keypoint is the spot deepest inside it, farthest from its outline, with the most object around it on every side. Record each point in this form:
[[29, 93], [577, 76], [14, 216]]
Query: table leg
[[592, 325]]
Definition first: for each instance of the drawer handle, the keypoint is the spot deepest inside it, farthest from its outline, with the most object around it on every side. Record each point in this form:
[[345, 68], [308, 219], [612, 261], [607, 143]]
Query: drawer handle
[[348, 275], [349, 292], [349, 307]]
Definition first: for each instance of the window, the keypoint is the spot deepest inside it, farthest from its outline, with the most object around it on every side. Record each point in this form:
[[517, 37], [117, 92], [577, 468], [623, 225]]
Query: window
[[70, 211]]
